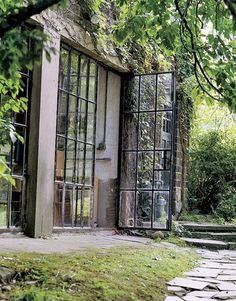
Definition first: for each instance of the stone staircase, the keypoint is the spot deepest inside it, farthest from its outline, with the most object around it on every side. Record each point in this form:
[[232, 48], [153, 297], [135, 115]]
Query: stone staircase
[[209, 236]]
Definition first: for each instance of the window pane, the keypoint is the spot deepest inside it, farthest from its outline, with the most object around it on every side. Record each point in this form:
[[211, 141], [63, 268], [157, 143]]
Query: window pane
[[81, 120], [71, 117], [60, 158], [131, 94], [78, 207], [130, 131], [3, 215], [80, 162], [18, 154], [163, 160], [62, 113], [144, 209], [86, 215], [147, 92], [163, 130], [74, 73], [4, 195], [145, 170], [128, 170], [83, 77], [127, 207], [92, 81], [64, 69], [162, 180], [164, 100], [58, 193], [16, 203], [146, 130], [89, 165], [68, 206], [70, 160], [90, 123], [160, 210]]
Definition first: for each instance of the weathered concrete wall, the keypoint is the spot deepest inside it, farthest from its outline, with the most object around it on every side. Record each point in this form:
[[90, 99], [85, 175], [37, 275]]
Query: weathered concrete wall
[[41, 161], [106, 169]]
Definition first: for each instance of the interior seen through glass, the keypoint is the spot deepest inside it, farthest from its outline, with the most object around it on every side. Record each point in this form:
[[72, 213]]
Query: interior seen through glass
[[75, 140]]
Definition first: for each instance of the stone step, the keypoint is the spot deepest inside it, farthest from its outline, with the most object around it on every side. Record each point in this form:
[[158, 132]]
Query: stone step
[[224, 236], [207, 243], [208, 227]]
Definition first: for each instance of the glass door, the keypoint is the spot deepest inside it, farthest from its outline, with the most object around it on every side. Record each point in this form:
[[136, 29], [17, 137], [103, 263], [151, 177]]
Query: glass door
[[146, 170]]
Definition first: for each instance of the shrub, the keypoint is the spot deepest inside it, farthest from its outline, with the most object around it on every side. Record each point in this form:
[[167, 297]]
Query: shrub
[[227, 205], [212, 171]]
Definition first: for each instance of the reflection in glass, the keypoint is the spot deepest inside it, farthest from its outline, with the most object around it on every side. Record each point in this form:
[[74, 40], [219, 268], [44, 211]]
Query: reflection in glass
[[4, 195], [162, 180], [61, 114], [92, 81], [68, 206], [86, 215], [145, 170], [147, 92], [16, 203], [83, 77], [58, 199], [163, 130], [127, 207], [64, 69], [144, 209], [163, 160], [74, 73], [80, 162], [70, 157], [71, 117], [164, 100], [130, 131], [60, 158], [90, 122], [89, 165], [146, 130], [160, 210], [131, 94], [128, 170]]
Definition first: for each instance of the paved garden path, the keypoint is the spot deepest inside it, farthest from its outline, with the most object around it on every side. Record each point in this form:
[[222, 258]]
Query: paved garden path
[[214, 279], [63, 243]]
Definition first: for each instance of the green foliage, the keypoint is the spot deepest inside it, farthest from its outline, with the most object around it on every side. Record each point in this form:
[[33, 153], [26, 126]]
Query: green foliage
[[226, 208], [205, 29], [212, 170]]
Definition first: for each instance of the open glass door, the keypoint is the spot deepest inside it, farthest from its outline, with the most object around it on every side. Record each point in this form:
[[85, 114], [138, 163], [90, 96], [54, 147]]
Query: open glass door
[[146, 171]]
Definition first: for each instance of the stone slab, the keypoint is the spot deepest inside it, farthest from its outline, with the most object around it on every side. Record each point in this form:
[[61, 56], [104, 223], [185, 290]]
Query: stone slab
[[202, 272], [210, 280], [227, 277], [226, 286], [187, 283], [217, 265], [226, 295], [202, 294], [6, 274]]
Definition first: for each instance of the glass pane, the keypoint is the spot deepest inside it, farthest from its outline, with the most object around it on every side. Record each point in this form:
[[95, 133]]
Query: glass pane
[[164, 130], [16, 203], [61, 114], [18, 154], [164, 100], [89, 165], [145, 170], [147, 92], [128, 170], [160, 210], [81, 120], [83, 77], [25, 85], [78, 207], [4, 195], [163, 160], [90, 123], [60, 158], [144, 209], [130, 131], [70, 161], [68, 206], [74, 73], [162, 180], [92, 81], [64, 69], [86, 215], [131, 94], [71, 117], [58, 194], [3, 215], [146, 130], [80, 162], [127, 206]]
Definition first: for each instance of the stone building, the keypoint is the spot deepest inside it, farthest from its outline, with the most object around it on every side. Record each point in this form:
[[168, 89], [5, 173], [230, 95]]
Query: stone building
[[102, 147]]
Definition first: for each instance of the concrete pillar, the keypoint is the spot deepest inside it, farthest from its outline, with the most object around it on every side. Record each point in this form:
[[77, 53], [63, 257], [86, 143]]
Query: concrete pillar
[[41, 153]]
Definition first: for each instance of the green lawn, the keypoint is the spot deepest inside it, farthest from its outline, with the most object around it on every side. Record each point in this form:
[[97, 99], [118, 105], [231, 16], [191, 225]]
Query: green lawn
[[106, 274]]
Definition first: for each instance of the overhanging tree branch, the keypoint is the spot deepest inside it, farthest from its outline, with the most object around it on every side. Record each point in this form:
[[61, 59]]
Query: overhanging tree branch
[[231, 8], [15, 19]]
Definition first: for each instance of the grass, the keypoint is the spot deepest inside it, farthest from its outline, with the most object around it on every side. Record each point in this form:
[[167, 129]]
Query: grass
[[117, 274]]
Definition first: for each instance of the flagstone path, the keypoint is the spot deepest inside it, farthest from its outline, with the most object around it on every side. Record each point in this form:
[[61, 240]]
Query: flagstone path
[[213, 280]]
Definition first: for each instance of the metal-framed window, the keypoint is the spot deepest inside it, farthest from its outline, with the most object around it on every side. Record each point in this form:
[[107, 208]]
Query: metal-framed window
[[75, 139], [147, 145], [12, 197]]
